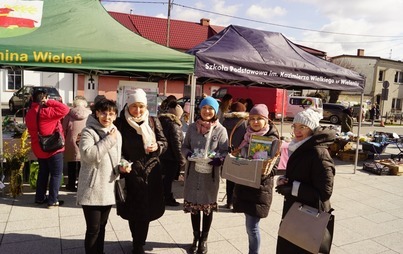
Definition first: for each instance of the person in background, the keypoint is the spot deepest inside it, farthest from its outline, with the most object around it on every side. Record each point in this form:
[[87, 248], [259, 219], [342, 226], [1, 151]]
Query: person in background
[[310, 171], [143, 143], [50, 163], [172, 160], [96, 99], [347, 120], [224, 107], [372, 114], [73, 124], [235, 121], [201, 189], [185, 119], [249, 104], [100, 150], [255, 203], [164, 104]]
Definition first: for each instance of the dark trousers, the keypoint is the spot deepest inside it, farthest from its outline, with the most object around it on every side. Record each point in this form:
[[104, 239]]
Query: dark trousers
[[96, 218], [230, 191], [139, 230], [171, 169], [73, 168], [53, 167], [207, 220]]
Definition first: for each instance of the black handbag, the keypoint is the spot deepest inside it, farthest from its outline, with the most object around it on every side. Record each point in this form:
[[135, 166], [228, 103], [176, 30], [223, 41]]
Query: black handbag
[[50, 143]]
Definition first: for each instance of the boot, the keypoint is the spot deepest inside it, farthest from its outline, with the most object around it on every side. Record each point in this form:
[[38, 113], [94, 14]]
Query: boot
[[196, 237], [202, 249]]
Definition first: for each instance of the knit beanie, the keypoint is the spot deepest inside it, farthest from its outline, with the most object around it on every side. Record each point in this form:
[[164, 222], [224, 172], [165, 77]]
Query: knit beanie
[[211, 102], [238, 107], [138, 95], [308, 117], [261, 110], [177, 110]]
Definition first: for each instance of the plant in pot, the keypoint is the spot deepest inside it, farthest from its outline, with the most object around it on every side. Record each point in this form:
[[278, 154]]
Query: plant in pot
[[14, 158]]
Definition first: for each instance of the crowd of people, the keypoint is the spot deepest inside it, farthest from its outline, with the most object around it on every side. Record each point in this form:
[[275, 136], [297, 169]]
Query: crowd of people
[[150, 152]]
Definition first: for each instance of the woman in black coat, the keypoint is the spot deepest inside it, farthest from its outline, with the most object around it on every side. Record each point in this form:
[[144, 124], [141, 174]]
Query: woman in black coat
[[310, 170], [143, 142]]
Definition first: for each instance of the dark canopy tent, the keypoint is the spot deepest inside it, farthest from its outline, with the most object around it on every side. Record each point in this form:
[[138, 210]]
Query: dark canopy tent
[[255, 57], [240, 55]]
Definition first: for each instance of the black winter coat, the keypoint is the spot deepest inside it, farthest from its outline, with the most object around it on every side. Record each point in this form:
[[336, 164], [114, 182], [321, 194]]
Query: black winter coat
[[172, 128], [312, 166], [257, 202], [145, 200]]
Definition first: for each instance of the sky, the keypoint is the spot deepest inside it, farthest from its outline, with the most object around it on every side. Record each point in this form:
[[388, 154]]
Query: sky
[[335, 26]]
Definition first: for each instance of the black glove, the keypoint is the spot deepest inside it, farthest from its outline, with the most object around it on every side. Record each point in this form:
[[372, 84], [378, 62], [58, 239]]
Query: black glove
[[284, 189], [215, 162], [188, 155]]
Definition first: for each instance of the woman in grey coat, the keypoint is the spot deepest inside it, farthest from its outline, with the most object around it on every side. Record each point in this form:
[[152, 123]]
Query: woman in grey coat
[[100, 149], [201, 189]]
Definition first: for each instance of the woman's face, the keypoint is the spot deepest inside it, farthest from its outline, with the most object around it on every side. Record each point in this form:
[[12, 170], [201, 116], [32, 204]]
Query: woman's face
[[137, 109], [257, 122], [207, 113], [106, 118], [301, 131]]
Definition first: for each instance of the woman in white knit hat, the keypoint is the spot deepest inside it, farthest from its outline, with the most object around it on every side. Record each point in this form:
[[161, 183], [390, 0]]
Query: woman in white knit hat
[[310, 171], [143, 142]]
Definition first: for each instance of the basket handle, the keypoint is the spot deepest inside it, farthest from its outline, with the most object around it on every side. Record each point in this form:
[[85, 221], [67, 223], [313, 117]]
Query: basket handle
[[233, 131]]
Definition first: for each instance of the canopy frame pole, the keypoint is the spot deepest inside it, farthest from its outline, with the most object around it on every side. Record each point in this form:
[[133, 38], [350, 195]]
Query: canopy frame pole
[[358, 133]]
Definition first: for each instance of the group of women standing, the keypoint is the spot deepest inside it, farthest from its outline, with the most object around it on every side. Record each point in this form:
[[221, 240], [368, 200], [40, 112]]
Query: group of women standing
[[138, 140]]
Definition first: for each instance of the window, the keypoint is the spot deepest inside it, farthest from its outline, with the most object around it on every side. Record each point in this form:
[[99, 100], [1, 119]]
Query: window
[[399, 77], [396, 104], [380, 75], [14, 80]]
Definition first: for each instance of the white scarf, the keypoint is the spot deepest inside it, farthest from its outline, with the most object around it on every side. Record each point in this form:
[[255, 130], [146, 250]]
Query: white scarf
[[143, 129], [294, 145]]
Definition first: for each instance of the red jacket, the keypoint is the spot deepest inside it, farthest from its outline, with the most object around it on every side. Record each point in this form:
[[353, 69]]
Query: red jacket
[[50, 117]]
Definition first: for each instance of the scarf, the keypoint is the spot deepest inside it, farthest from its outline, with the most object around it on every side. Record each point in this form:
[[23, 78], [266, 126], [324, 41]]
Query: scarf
[[294, 145], [250, 132], [143, 129], [203, 126]]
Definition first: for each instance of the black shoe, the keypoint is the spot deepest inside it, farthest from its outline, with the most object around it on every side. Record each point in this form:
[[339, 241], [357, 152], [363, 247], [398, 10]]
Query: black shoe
[[71, 188], [171, 202], [58, 203], [41, 202]]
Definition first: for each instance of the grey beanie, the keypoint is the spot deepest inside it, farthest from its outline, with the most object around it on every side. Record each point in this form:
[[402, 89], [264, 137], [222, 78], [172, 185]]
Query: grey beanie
[[308, 117]]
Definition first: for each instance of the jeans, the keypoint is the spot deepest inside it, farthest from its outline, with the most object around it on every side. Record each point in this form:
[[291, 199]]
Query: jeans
[[252, 228], [96, 218], [52, 166]]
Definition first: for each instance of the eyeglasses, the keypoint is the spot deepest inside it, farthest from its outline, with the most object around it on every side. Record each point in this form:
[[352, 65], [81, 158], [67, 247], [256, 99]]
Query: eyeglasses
[[106, 114], [300, 127], [256, 119]]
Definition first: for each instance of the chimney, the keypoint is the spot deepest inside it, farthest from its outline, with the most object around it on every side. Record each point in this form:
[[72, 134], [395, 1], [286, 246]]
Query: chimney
[[204, 22], [360, 52]]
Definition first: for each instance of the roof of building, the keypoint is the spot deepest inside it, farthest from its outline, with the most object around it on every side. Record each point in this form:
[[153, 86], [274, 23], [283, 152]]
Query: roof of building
[[183, 35]]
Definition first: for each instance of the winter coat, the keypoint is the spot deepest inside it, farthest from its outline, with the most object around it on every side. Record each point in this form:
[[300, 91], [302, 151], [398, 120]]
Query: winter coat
[[100, 155], [73, 124], [202, 188], [257, 202], [230, 121], [346, 123], [172, 128], [49, 120], [312, 166], [145, 200]]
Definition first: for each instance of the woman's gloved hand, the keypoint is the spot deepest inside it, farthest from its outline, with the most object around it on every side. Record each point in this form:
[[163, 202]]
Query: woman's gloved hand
[[215, 162], [284, 189]]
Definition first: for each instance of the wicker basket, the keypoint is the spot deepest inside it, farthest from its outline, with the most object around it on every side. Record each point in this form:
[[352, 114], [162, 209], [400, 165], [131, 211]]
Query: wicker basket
[[202, 166], [267, 164]]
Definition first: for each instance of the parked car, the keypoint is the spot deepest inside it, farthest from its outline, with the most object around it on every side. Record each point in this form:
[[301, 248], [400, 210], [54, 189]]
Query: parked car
[[333, 112], [22, 98]]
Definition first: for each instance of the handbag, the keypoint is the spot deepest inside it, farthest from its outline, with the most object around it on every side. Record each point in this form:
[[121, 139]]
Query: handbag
[[120, 190], [308, 228], [50, 143]]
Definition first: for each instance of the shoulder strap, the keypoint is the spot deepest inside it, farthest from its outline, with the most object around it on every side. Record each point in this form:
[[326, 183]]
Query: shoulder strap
[[37, 119]]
